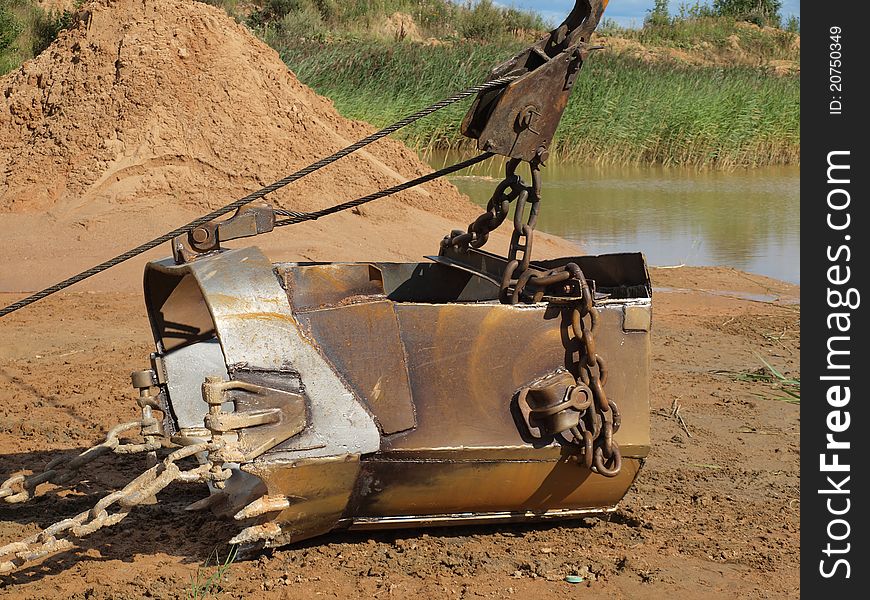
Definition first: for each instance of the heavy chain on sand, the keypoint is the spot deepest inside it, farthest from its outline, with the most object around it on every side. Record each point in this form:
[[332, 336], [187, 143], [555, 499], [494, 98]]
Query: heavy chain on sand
[[20, 488], [58, 537]]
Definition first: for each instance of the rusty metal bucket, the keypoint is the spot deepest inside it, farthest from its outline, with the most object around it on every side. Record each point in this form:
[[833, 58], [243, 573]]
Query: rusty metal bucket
[[374, 395]]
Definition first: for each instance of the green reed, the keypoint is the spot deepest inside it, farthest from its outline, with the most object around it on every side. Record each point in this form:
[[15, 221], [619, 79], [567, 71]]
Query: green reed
[[622, 111]]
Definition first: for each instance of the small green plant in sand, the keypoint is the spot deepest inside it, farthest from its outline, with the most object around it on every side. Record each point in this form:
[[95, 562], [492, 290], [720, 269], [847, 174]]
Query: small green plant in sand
[[204, 584], [789, 387]]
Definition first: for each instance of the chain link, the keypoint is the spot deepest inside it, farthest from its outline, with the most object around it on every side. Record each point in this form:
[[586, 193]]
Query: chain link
[[511, 189], [61, 470], [57, 537], [594, 433], [517, 274]]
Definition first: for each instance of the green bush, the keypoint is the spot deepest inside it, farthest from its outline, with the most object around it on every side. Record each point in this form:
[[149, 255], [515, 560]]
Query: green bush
[[279, 8], [760, 12], [26, 30], [306, 22], [434, 18], [46, 26], [698, 10], [519, 21], [483, 21], [10, 27], [658, 15]]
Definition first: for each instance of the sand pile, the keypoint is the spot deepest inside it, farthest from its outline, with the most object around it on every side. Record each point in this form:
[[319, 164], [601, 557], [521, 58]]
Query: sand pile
[[401, 26], [171, 101], [147, 113]]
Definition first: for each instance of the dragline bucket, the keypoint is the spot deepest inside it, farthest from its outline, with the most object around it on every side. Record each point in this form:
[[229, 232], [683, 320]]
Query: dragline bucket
[[466, 388]]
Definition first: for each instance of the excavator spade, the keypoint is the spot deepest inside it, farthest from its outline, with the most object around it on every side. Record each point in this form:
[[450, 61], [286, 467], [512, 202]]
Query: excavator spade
[[465, 388]]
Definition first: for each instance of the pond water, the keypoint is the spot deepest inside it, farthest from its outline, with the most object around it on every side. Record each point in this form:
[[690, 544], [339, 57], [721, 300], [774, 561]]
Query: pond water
[[748, 219]]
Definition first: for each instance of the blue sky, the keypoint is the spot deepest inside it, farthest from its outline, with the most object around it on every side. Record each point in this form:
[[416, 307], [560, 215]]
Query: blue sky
[[624, 12]]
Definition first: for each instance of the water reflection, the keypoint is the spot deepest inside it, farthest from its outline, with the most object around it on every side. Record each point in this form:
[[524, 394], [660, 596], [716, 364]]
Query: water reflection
[[747, 219]]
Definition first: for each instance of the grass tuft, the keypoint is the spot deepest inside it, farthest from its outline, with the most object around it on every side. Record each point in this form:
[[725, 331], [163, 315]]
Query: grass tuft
[[26, 30], [768, 374], [202, 584]]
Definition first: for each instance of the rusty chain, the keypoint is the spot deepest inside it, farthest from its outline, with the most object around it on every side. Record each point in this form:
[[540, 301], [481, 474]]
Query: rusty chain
[[61, 470], [517, 275], [57, 537], [580, 393], [600, 420], [595, 430], [520, 251], [509, 189]]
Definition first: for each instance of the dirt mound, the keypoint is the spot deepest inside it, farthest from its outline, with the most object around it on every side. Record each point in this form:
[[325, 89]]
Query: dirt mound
[[171, 101], [401, 26], [145, 114]]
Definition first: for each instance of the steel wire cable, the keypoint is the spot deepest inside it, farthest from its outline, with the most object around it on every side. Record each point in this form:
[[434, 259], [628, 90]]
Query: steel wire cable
[[132, 253], [296, 217]]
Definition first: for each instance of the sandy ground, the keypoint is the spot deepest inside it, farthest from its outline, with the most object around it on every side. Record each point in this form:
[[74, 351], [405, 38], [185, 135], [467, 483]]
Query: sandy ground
[[145, 114], [714, 513]]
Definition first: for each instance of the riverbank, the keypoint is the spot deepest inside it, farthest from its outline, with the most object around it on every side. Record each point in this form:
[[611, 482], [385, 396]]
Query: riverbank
[[698, 90], [695, 89]]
